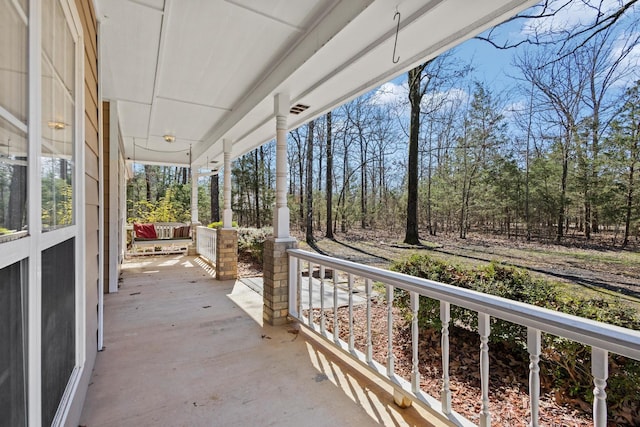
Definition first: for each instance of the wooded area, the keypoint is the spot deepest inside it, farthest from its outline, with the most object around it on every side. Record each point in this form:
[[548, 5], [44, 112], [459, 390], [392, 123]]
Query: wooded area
[[562, 163]]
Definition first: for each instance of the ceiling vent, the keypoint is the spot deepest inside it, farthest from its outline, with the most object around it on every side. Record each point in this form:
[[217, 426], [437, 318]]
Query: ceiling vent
[[298, 108]]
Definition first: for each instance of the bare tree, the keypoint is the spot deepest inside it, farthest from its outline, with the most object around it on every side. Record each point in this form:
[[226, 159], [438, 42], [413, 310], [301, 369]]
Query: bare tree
[[604, 67], [298, 152], [309, 222], [565, 38], [560, 86], [437, 76], [416, 92], [215, 197], [329, 179]]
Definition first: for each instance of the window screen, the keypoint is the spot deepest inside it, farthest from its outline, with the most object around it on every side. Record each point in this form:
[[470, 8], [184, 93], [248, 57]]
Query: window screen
[[13, 405], [58, 324]]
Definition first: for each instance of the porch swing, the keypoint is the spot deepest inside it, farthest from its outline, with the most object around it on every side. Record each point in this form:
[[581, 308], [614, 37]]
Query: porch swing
[[159, 238]]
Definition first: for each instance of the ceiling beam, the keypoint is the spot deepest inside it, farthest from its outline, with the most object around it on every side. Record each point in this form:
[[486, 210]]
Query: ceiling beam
[[265, 15]]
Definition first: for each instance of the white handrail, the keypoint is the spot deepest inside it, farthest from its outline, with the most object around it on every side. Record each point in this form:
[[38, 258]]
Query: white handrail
[[602, 337], [622, 341]]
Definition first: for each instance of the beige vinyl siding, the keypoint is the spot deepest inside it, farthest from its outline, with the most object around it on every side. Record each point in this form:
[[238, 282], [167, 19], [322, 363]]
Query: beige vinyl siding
[[86, 12]]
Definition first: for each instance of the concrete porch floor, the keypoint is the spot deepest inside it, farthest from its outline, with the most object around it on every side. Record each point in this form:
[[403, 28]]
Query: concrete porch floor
[[184, 349]]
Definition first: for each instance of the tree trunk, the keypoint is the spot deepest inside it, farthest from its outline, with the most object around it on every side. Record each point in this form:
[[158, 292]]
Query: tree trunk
[[17, 198], [329, 233], [215, 198], [411, 232], [363, 180], [463, 210], [263, 183], [256, 187], [342, 200], [309, 228], [63, 171], [147, 177], [185, 176], [301, 192], [563, 190], [629, 207], [587, 216]]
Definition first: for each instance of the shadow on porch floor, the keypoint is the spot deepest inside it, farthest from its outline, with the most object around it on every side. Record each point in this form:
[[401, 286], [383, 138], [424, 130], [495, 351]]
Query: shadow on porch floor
[[184, 349]]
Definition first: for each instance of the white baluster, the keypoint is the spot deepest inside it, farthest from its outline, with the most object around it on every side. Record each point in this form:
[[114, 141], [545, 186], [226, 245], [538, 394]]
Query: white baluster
[[484, 330], [533, 345], [351, 337], [445, 392], [390, 357], [310, 273], [322, 325], [415, 372], [369, 354], [600, 372], [336, 326]]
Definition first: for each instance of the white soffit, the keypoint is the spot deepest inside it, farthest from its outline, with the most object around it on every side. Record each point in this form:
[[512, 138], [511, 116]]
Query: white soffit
[[214, 51], [131, 35], [157, 151], [154, 4], [134, 119], [186, 121]]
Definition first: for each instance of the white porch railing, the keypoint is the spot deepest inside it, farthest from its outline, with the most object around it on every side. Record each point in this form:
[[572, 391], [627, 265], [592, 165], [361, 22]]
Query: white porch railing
[[601, 337], [206, 242]]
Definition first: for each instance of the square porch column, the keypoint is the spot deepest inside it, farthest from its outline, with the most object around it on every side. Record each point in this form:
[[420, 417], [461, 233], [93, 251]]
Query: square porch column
[[227, 239], [276, 261], [193, 247], [227, 213]]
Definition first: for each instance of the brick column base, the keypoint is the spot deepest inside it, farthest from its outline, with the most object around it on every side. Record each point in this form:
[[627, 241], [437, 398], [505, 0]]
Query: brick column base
[[227, 254], [275, 271]]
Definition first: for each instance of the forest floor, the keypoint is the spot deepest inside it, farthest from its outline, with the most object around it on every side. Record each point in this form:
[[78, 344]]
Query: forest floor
[[592, 269]]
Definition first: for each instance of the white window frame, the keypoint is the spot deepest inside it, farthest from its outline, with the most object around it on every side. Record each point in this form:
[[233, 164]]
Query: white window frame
[[30, 248], [9, 252]]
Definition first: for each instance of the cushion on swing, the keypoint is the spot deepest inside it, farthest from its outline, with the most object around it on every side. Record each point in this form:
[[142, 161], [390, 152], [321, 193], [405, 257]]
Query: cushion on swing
[[145, 231], [181, 231]]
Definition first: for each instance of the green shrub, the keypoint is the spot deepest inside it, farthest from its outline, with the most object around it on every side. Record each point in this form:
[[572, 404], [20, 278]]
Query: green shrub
[[4, 231], [569, 362], [494, 279], [219, 224], [168, 208], [564, 361], [251, 241]]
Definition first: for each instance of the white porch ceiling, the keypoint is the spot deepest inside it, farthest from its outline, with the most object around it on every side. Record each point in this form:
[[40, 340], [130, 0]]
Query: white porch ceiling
[[208, 70]]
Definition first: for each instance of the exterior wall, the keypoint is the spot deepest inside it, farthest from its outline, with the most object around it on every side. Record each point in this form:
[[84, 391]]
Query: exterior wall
[[114, 196], [92, 249]]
